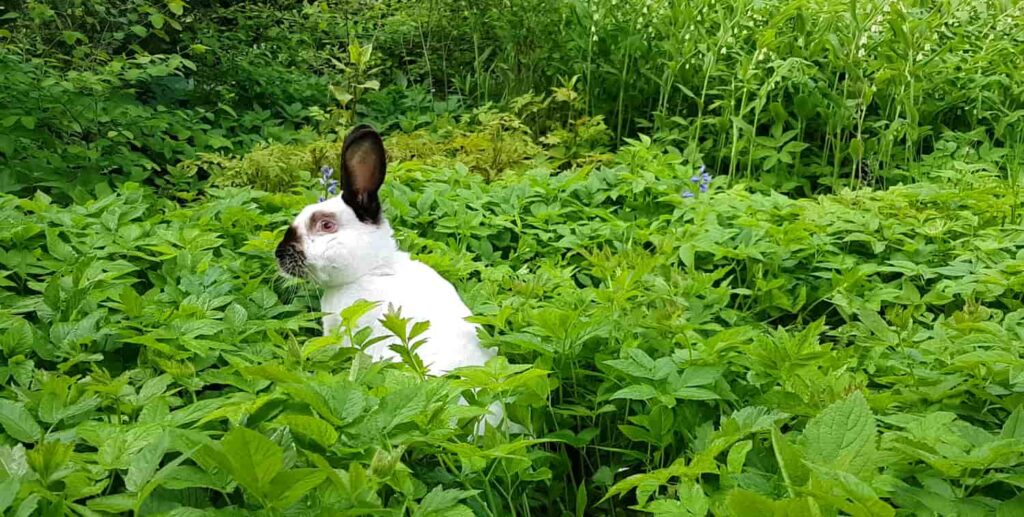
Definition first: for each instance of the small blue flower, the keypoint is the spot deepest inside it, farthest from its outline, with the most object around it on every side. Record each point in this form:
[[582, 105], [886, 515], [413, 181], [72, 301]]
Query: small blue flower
[[332, 187], [687, 194], [321, 199], [703, 187], [694, 179], [326, 171], [705, 178]]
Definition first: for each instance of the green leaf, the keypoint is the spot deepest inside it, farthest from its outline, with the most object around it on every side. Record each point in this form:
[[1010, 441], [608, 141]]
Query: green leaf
[[176, 6], [17, 338], [8, 491], [843, 436], [58, 248], [291, 485], [440, 500], [236, 315], [744, 502], [581, 500], [700, 376], [18, 423], [1011, 508], [116, 503], [794, 472], [28, 506], [14, 461], [635, 392], [695, 394], [738, 456], [1014, 425], [254, 459], [157, 20], [145, 463], [310, 427], [850, 494]]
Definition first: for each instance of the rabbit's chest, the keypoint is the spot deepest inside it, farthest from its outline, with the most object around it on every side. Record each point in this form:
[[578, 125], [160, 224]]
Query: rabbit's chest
[[451, 341]]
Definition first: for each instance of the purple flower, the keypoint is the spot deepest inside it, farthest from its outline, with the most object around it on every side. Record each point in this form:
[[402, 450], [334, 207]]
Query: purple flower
[[332, 187], [687, 194], [326, 172], [694, 179], [703, 187], [705, 178], [321, 199]]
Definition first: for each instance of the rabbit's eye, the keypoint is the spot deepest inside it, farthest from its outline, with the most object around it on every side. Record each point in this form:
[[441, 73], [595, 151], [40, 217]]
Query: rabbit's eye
[[327, 226]]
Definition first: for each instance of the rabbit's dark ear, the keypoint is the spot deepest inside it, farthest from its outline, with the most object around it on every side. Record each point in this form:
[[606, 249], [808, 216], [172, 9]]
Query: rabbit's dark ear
[[363, 164]]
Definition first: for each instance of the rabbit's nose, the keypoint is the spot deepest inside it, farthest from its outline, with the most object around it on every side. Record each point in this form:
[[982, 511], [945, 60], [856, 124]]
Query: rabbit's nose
[[289, 246]]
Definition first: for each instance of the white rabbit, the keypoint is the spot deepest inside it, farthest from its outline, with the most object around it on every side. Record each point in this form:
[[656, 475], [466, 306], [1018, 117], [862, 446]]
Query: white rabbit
[[345, 245]]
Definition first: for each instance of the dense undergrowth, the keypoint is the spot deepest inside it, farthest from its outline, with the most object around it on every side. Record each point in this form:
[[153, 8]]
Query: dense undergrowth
[[739, 258], [803, 96], [853, 353]]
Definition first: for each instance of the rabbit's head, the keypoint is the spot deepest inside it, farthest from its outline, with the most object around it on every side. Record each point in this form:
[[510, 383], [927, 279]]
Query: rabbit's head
[[343, 238]]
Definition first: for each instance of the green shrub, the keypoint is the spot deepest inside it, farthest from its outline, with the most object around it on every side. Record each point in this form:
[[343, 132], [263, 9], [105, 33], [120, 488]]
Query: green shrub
[[730, 351], [272, 167]]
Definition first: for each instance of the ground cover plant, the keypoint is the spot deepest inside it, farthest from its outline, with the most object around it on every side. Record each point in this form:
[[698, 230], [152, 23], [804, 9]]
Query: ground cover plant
[[739, 258], [734, 351]]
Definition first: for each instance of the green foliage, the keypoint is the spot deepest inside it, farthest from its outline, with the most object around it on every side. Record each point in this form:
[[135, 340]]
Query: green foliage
[[268, 167], [677, 340], [674, 355], [800, 94]]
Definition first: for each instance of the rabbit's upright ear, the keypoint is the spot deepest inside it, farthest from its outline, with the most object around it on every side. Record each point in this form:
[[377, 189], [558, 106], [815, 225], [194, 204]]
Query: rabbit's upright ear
[[363, 164]]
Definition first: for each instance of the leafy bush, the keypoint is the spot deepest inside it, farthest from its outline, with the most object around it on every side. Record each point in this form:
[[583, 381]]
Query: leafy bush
[[732, 351], [677, 336], [802, 95]]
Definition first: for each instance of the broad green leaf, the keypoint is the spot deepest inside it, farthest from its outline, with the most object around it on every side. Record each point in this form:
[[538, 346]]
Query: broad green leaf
[[849, 493], [145, 463], [14, 461], [311, 427], [843, 435], [291, 485], [700, 376], [743, 502], [8, 491], [28, 506], [1014, 425], [18, 423], [635, 392], [176, 6], [695, 394], [115, 503], [439, 500], [253, 459]]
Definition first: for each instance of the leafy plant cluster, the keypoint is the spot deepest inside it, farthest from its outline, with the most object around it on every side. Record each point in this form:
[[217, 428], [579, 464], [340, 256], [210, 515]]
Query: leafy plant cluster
[[601, 182], [94, 93], [802, 94], [729, 352]]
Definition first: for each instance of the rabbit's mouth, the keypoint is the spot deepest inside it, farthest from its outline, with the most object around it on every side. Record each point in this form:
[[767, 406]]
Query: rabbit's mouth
[[290, 257]]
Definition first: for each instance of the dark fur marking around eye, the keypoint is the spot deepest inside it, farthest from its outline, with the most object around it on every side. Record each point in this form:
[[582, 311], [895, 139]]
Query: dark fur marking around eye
[[314, 221]]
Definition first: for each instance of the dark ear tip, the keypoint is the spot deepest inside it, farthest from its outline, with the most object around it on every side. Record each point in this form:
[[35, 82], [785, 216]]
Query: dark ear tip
[[361, 131]]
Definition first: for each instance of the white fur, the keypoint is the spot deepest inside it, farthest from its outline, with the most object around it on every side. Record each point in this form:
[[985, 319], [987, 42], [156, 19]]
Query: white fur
[[361, 261]]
